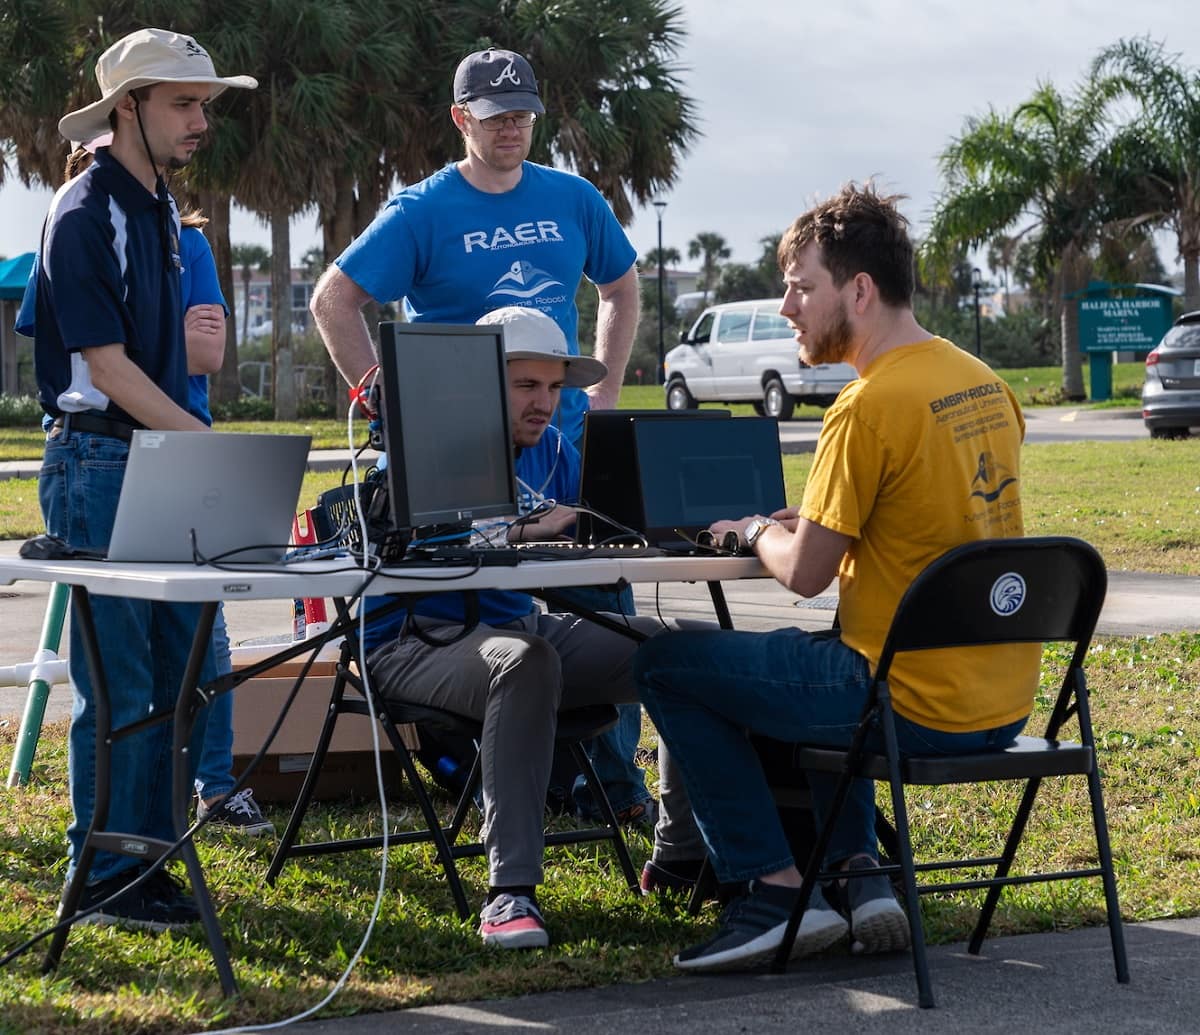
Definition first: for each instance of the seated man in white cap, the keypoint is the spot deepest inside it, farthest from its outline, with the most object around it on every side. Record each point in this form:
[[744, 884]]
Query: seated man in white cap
[[110, 357], [518, 666]]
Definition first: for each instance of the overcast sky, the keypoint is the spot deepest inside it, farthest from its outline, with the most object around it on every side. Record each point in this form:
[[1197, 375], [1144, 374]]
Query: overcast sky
[[797, 97]]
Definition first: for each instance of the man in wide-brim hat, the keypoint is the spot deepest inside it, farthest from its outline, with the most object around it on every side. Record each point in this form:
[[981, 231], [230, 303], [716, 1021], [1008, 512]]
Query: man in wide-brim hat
[[110, 357]]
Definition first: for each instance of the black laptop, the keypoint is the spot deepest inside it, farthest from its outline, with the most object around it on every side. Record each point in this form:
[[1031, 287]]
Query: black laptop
[[663, 474]]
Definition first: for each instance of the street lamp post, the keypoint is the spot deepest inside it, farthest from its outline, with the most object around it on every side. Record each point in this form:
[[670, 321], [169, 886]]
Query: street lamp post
[[662, 354], [977, 283]]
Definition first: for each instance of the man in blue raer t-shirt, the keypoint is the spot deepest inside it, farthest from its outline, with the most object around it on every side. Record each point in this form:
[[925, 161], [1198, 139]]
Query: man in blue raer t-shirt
[[489, 231], [518, 667]]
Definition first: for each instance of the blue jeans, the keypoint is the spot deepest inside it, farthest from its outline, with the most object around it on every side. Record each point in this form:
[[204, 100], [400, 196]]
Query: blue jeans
[[214, 774], [706, 689], [613, 754], [144, 648]]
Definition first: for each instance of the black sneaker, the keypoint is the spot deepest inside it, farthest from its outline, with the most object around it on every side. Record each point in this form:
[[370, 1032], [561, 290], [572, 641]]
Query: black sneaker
[[877, 923], [752, 928], [237, 814], [676, 877], [157, 904]]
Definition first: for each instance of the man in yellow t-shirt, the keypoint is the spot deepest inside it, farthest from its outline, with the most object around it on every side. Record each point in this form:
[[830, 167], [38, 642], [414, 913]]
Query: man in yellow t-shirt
[[920, 454]]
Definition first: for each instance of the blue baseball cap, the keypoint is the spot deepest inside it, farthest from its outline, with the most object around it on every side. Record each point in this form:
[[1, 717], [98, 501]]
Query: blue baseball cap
[[494, 82]]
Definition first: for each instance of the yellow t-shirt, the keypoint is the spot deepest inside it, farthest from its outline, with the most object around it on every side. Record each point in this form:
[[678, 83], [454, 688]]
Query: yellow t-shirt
[[920, 454]]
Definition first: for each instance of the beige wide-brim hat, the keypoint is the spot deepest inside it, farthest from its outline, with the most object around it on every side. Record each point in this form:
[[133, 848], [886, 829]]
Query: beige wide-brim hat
[[531, 334], [143, 58]]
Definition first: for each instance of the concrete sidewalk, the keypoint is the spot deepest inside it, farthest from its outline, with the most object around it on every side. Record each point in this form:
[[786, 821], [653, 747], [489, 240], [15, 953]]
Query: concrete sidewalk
[[1046, 983]]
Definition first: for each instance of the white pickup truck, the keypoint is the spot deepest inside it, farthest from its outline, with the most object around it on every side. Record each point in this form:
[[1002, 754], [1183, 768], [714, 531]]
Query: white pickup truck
[[746, 352]]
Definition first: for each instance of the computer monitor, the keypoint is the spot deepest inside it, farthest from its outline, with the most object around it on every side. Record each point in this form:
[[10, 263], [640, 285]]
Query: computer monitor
[[445, 423]]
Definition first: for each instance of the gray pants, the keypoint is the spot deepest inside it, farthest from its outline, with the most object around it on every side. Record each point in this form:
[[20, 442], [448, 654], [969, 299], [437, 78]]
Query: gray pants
[[515, 679]]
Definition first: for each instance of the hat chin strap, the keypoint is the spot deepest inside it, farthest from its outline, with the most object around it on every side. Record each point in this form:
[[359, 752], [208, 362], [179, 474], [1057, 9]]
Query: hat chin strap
[[169, 243], [160, 183]]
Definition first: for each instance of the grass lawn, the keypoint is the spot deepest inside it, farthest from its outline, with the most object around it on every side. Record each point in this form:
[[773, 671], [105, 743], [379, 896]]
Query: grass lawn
[[290, 943]]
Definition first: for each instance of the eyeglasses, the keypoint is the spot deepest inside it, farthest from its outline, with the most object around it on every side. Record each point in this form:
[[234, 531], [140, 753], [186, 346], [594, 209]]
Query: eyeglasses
[[495, 123]]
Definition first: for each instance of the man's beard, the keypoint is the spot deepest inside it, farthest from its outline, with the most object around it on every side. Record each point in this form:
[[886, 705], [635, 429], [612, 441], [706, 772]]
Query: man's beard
[[832, 345], [175, 162]]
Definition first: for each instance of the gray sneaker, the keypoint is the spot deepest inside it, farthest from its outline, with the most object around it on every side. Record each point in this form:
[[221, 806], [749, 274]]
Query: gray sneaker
[[753, 925], [512, 922], [877, 923], [237, 814]]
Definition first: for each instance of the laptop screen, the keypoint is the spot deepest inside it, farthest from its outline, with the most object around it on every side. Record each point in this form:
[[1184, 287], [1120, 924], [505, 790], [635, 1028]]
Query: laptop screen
[[608, 483], [230, 495], [693, 473]]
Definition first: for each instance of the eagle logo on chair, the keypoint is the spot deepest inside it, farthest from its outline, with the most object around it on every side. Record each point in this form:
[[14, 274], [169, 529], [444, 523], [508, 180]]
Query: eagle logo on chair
[[1008, 594]]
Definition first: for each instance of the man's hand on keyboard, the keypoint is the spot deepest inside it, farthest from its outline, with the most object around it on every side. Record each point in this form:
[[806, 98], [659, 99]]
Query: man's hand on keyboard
[[551, 524], [787, 517]]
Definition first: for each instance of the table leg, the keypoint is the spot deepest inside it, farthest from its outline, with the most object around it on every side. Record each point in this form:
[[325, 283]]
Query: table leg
[[187, 705], [719, 605], [82, 605]]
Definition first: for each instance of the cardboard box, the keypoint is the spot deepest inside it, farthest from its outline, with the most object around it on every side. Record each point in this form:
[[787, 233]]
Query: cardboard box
[[349, 768]]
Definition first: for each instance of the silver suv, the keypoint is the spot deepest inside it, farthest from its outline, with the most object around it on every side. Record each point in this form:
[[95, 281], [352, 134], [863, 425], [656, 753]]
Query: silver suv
[[745, 352], [1171, 394]]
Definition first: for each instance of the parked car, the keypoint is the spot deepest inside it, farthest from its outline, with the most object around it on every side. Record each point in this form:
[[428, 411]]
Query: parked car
[[746, 352], [1171, 394]]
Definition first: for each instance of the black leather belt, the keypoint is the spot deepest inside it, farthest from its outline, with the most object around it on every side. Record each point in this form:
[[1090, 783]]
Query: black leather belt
[[94, 425]]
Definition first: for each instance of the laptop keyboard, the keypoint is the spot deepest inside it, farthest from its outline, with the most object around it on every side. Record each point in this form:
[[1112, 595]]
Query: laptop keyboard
[[515, 553]]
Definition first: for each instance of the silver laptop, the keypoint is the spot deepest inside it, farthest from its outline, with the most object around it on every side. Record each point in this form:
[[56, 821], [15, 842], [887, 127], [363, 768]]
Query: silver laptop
[[236, 492]]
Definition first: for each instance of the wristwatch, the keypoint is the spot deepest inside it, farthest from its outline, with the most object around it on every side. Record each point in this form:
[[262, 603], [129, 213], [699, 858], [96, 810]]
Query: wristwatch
[[756, 528]]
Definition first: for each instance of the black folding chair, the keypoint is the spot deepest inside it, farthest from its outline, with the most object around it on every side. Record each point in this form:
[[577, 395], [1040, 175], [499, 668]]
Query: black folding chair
[[348, 697], [992, 591]]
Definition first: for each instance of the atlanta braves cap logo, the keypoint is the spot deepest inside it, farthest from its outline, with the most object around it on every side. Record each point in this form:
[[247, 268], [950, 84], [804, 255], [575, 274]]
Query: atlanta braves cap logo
[[509, 75]]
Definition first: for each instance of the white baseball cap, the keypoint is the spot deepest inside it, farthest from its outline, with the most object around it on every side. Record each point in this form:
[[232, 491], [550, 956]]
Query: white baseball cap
[[531, 334]]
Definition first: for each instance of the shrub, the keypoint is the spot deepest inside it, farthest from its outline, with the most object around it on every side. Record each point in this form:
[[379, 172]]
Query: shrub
[[245, 408], [20, 411], [312, 409]]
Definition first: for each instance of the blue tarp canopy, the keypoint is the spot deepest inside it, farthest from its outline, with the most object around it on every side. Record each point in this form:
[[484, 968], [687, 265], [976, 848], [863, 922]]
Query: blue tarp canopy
[[13, 275]]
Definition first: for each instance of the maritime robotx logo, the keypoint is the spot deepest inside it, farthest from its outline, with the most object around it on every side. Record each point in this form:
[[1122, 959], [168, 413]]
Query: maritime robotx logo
[[1008, 594], [991, 479], [524, 280]]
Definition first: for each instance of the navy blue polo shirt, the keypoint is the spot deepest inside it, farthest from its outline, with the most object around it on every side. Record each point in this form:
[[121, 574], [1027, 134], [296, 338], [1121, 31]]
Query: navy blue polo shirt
[[109, 273]]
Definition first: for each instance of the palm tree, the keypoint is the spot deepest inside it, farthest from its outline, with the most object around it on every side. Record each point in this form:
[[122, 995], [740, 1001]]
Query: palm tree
[[1045, 163], [249, 257], [353, 96], [298, 52], [713, 248], [668, 257], [760, 279], [41, 54], [1165, 139], [615, 110], [1002, 251]]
